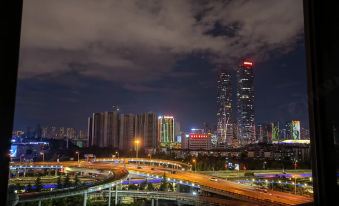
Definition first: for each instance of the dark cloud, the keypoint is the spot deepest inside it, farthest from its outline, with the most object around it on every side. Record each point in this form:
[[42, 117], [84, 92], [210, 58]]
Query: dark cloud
[[136, 42], [83, 56]]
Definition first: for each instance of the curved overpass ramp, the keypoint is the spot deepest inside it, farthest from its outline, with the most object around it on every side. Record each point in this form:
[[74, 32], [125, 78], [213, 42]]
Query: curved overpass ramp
[[224, 187], [151, 162], [120, 173]]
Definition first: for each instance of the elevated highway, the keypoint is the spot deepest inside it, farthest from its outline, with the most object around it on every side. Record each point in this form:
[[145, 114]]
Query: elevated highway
[[115, 176], [221, 187], [186, 198], [226, 188], [151, 162]]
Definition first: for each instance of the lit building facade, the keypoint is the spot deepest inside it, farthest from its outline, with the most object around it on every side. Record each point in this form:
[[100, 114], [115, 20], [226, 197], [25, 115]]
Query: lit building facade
[[224, 108], [200, 141], [295, 128], [166, 130], [184, 141], [275, 131], [245, 102], [265, 131]]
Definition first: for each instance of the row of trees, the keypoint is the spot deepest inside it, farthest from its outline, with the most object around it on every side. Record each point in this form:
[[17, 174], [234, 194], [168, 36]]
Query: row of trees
[[38, 185], [67, 182], [164, 185]]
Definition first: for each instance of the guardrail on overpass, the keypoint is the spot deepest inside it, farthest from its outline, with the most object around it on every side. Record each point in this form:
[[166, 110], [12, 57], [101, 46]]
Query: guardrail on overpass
[[159, 162]]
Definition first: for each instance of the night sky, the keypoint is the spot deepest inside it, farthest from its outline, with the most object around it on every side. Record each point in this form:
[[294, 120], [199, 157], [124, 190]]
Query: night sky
[[83, 56]]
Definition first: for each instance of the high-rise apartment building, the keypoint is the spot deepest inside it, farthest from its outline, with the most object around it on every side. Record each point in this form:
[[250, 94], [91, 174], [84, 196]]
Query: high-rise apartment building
[[127, 132], [166, 130], [115, 130], [71, 133], [89, 131], [224, 108], [146, 129], [103, 129], [245, 102], [97, 135]]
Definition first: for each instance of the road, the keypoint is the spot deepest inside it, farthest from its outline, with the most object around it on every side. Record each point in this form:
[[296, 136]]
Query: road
[[221, 187], [227, 187]]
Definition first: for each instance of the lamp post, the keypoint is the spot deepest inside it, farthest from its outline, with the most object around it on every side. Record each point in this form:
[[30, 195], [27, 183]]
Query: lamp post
[[195, 164], [43, 156], [150, 156], [137, 142], [78, 155], [117, 154], [295, 164], [22, 155]]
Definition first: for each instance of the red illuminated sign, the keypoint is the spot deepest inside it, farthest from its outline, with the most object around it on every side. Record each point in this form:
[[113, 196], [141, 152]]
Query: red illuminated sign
[[198, 135], [247, 63]]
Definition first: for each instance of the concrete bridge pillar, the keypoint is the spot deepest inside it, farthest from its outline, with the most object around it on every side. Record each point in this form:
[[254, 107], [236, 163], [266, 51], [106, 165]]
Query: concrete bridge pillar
[[116, 195], [109, 196], [152, 202], [157, 202], [177, 187], [85, 199], [39, 203]]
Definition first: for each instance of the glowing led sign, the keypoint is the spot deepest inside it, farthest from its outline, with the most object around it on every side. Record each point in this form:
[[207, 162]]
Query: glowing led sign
[[248, 63]]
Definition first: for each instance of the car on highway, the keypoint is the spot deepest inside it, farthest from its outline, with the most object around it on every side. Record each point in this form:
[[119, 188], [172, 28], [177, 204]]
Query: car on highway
[[261, 189], [139, 167], [214, 179], [152, 168]]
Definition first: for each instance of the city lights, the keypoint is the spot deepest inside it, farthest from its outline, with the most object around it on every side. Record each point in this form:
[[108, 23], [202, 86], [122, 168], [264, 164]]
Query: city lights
[[175, 103]]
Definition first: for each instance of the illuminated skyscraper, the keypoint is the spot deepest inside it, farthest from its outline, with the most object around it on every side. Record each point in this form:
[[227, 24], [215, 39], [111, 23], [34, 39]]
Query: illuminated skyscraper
[[245, 102], [295, 128], [275, 131], [166, 130], [224, 108]]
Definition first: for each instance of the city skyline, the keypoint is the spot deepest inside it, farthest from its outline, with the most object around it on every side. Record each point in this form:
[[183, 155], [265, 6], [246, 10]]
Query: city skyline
[[154, 71]]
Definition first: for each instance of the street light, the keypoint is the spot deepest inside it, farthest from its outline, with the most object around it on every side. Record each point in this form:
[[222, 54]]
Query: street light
[[137, 142], [195, 164], [78, 155], [295, 164], [117, 153], [149, 155], [22, 155], [43, 156], [264, 165]]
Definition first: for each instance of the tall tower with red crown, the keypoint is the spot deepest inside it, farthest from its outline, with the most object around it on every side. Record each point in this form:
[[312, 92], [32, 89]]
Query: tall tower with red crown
[[245, 102]]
